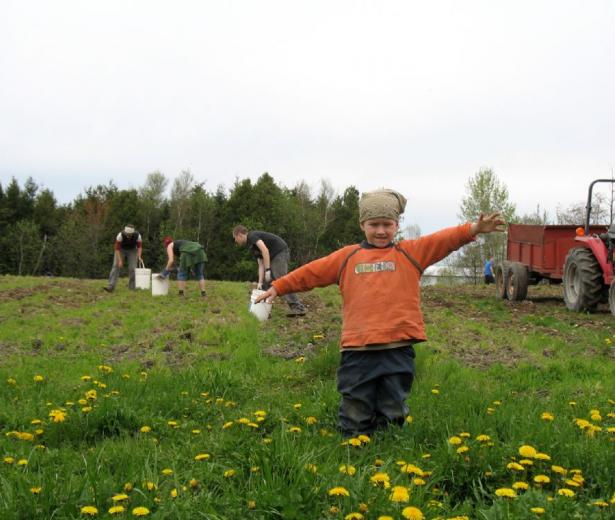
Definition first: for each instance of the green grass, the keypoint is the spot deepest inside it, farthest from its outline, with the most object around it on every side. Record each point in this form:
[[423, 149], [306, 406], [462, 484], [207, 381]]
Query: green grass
[[195, 372]]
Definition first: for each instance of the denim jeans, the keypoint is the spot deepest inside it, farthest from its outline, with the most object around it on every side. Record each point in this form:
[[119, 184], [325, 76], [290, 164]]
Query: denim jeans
[[374, 385]]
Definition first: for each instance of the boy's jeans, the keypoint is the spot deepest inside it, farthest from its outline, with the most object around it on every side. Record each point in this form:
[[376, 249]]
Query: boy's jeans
[[374, 386]]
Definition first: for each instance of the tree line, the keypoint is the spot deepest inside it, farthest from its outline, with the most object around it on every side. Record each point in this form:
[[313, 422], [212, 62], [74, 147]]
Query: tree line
[[38, 236]]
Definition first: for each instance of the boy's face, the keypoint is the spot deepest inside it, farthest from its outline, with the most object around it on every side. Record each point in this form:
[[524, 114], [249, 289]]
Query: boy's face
[[240, 239], [380, 232]]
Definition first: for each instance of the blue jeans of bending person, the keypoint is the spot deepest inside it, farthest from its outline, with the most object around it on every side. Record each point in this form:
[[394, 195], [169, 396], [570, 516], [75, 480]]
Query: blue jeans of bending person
[[374, 385], [197, 269]]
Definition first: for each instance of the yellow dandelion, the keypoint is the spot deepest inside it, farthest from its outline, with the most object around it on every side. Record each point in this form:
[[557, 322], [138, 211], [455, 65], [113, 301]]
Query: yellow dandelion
[[380, 479], [347, 469], [542, 456], [559, 470], [435, 391], [399, 494], [338, 491], [454, 440], [140, 511], [600, 503], [202, 456], [418, 481], [251, 504], [173, 493], [542, 479], [520, 486], [227, 425], [565, 492], [354, 516], [514, 466], [312, 468], [150, 486], [462, 449], [116, 510], [354, 442], [311, 420], [364, 439], [412, 513], [527, 451], [38, 378], [229, 473], [119, 497], [409, 419], [547, 416], [145, 429], [506, 493], [167, 471], [89, 511], [538, 510], [128, 487], [483, 438], [36, 490]]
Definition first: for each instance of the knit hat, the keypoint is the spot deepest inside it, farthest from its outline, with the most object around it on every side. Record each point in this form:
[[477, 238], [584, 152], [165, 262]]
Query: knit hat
[[381, 203], [129, 229]]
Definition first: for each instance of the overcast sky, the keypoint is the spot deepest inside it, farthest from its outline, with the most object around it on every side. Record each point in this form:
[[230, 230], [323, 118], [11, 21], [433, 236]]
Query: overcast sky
[[417, 96]]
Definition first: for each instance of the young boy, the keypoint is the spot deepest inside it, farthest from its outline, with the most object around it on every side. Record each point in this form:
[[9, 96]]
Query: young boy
[[382, 320]]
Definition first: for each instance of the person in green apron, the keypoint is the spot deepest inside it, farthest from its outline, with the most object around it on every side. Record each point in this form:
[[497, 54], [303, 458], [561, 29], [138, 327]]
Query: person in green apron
[[191, 257]]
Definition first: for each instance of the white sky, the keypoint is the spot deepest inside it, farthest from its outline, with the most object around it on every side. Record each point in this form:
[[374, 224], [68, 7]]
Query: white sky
[[412, 95]]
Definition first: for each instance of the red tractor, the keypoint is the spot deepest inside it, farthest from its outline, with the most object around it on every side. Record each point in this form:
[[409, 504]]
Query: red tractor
[[581, 258]]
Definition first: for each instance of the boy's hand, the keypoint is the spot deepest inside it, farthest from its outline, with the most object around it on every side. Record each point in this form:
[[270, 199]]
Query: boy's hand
[[269, 295], [487, 224]]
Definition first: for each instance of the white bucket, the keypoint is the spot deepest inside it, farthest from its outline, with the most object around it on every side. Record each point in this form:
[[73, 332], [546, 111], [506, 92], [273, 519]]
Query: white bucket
[[160, 286], [143, 277], [262, 309]]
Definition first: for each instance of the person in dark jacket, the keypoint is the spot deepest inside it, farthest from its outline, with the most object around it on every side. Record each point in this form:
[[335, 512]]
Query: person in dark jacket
[[128, 247], [190, 256], [272, 254]]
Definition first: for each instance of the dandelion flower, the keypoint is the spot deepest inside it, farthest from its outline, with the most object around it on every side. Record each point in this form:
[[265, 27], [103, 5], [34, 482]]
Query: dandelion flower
[[506, 492], [145, 429], [354, 442], [140, 511], [400, 494], [542, 479], [251, 504], [462, 449], [294, 429], [354, 516], [547, 416], [565, 492], [89, 511], [483, 438], [8, 460], [455, 441], [364, 439], [173, 493], [36, 490], [515, 466], [527, 451], [412, 513], [385, 517], [339, 491], [347, 469], [22, 462], [119, 497], [38, 378], [600, 503], [312, 468], [542, 456], [538, 510], [116, 510], [202, 456], [435, 391], [520, 486], [380, 479], [229, 473], [311, 420]]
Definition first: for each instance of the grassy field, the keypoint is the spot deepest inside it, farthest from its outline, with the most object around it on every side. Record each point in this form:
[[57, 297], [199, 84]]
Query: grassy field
[[126, 405]]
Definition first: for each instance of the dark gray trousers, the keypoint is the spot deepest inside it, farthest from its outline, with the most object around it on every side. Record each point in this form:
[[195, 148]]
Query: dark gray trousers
[[374, 385], [129, 256], [279, 267]]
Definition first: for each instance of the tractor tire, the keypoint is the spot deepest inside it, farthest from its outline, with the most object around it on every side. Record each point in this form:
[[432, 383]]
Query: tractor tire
[[612, 298], [500, 274], [517, 282], [582, 280]]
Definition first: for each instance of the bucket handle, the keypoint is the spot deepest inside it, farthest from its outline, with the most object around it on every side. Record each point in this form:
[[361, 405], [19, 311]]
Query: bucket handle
[[141, 263]]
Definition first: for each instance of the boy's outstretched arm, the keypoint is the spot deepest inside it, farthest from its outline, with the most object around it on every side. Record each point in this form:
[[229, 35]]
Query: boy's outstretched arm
[[487, 224]]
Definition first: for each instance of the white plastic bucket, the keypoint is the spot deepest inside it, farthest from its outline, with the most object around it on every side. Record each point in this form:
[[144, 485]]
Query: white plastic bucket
[[261, 310], [143, 277], [160, 286]]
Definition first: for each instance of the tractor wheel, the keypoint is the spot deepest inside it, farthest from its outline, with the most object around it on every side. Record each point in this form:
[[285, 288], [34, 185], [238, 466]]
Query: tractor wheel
[[582, 280], [612, 298], [517, 282], [501, 272]]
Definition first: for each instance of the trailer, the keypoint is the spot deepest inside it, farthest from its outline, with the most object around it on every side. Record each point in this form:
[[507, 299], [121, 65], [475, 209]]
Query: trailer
[[580, 257]]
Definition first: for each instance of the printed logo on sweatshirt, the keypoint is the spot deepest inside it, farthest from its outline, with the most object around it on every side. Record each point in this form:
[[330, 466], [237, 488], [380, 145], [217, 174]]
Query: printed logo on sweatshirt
[[376, 267]]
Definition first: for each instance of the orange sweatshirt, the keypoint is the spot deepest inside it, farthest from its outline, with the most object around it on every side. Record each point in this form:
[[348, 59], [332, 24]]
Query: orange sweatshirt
[[380, 286]]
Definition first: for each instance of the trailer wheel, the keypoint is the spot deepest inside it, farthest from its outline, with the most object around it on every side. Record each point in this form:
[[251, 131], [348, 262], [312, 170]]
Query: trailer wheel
[[517, 282], [582, 280], [612, 298], [501, 272]]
